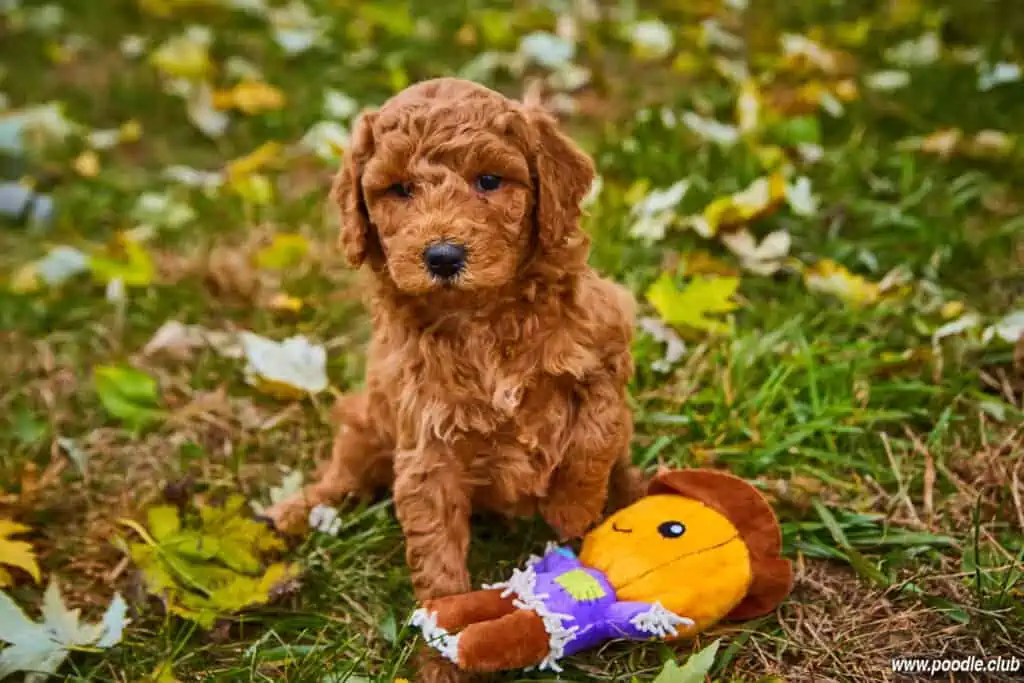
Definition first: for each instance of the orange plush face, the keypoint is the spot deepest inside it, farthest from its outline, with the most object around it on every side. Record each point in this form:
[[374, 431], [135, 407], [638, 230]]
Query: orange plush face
[[676, 551]]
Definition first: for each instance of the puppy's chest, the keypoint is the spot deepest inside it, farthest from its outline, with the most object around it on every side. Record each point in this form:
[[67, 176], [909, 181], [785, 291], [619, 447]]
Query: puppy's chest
[[486, 394]]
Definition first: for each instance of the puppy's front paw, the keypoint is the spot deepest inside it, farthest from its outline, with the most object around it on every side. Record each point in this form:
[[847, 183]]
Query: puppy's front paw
[[290, 516], [568, 518]]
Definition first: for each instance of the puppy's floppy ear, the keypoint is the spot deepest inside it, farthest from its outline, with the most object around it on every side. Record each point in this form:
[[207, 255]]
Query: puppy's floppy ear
[[564, 174], [357, 237]]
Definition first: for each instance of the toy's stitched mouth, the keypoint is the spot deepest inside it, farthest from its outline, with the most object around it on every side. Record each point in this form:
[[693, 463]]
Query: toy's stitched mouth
[[716, 546], [615, 527]]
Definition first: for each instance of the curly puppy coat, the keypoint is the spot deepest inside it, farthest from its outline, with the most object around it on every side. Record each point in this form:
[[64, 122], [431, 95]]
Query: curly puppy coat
[[497, 371]]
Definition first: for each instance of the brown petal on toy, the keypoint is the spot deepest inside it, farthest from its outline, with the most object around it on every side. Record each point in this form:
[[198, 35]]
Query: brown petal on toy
[[750, 513]]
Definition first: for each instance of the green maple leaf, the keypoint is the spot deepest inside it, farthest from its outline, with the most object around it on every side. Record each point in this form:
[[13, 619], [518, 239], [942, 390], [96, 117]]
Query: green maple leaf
[[694, 670], [209, 565], [694, 304]]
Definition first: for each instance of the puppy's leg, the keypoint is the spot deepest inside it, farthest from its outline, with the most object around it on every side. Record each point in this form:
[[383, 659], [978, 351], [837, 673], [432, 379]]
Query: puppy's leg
[[579, 488], [361, 460], [432, 502]]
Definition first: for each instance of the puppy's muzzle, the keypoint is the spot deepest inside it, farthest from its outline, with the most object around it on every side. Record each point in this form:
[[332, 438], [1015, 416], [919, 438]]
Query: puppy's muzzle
[[444, 260]]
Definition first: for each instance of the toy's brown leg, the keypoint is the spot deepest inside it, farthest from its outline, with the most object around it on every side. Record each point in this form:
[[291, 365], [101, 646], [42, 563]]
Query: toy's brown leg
[[514, 641], [455, 612], [361, 460]]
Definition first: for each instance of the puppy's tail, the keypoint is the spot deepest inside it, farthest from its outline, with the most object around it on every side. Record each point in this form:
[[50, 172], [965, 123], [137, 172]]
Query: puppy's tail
[[626, 485]]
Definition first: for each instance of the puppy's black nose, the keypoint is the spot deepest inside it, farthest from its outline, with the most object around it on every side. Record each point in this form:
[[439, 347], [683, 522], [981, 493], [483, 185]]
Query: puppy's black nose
[[445, 260]]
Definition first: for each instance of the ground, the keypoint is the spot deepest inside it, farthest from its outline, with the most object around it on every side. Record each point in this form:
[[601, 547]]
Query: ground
[[862, 365]]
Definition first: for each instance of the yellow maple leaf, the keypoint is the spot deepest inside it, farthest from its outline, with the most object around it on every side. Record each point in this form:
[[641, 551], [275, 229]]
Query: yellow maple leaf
[[694, 304], [760, 198], [832, 278], [250, 97], [255, 160], [16, 553]]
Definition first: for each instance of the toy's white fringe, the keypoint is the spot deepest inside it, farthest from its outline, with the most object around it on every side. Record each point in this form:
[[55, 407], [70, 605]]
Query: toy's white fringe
[[533, 560], [522, 584], [659, 622], [436, 637]]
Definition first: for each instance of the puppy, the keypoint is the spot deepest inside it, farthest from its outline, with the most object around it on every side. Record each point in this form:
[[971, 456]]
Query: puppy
[[497, 371]]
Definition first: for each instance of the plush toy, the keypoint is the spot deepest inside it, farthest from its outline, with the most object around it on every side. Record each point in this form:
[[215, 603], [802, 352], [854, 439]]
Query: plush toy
[[701, 546]]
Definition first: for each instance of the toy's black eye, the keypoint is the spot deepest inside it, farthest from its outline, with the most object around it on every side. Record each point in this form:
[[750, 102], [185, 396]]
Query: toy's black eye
[[403, 190], [671, 529], [488, 183]]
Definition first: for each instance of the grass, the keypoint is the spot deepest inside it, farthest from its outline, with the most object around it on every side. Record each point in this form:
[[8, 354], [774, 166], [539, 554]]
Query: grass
[[895, 463]]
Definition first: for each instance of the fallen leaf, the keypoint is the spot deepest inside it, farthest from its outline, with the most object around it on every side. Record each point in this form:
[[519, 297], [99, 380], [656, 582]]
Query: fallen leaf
[[250, 98], [887, 81], [135, 269], [655, 211], [127, 394], [722, 134], [547, 50], [1001, 73], [75, 454], [325, 519], [15, 553], [210, 565], [962, 324], [832, 278], [921, 51], [185, 56], [800, 198], [765, 258], [259, 158], [697, 666], [291, 484], [179, 340], [327, 140], [338, 105], [650, 39], [162, 210], [760, 198], [41, 647], [203, 114], [1010, 329], [675, 347], [292, 368], [694, 305], [87, 164], [296, 29]]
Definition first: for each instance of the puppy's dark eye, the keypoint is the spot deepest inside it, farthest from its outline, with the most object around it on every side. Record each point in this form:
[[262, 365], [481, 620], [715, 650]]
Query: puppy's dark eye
[[671, 529], [488, 183], [403, 190]]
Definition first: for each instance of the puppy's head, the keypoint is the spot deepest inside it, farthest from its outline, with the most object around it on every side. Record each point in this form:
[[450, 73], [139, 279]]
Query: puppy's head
[[452, 186]]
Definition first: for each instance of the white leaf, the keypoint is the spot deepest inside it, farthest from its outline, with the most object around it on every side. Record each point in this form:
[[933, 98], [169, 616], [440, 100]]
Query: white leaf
[[675, 347], [241, 69], [75, 453], [887, 81], [114, 621], [291, 484], [711, 130], [713, 35], [294, 364], [338, 105], [547, 49], [162, 210], [761, 259], [959, 326], [594, 192], [61, 264], [208, 181], [796, 45], [659, 201], [42, 647], [1000, 73], [652, 38], [203, 115], [132, 46], [327, 140], [920, 51], [1009, 328], [800, 197], [296, 29]]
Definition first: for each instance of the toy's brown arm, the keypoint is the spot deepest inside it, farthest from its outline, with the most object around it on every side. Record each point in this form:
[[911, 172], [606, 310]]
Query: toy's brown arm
[[514, 641], [455, 612]]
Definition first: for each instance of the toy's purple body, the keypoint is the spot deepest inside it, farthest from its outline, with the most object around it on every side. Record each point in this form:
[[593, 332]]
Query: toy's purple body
[[595, 617]]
